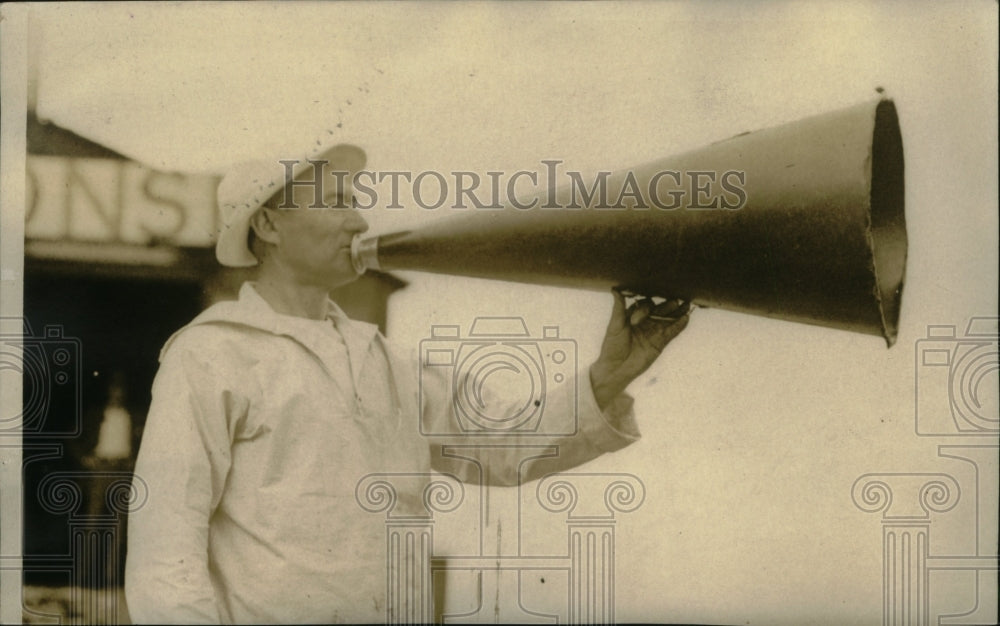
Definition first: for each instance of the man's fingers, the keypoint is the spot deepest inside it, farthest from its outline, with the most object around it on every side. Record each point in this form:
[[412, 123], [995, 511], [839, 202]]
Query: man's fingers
[[675, 329], [670, 310], [639, 311], [617, 311], [665, 333], [679, 324], [665, 315]]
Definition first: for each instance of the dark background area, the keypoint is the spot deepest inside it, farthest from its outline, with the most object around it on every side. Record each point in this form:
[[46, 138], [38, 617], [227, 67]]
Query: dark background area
[[118, 326]]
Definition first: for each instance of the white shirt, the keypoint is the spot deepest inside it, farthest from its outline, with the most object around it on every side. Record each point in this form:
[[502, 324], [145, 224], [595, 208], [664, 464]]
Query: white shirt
[[260, 429]]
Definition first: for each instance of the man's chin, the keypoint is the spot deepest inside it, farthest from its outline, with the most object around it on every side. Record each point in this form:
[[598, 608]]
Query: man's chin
[[342, 280]]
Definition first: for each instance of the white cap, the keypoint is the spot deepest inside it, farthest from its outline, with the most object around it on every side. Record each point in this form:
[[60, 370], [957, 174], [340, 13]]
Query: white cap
[[247, 186]]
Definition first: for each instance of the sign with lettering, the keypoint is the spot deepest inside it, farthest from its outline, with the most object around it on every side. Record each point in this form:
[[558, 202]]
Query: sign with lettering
[[108, 200]]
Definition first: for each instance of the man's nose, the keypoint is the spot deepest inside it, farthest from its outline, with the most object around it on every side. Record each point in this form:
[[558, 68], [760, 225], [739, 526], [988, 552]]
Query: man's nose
[[355, 222]]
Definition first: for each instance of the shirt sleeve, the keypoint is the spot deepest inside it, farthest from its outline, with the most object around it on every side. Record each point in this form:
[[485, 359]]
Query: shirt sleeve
[[481, 434], [182, 466]]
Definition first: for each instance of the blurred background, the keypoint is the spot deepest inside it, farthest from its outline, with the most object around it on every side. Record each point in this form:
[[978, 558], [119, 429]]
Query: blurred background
[[754, 430]]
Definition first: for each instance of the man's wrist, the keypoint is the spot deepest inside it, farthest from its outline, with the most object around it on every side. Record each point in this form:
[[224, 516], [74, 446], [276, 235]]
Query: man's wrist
[[606, 382]]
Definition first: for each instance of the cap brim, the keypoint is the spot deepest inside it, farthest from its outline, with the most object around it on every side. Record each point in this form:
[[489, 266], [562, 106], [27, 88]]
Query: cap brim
[[231, 247]]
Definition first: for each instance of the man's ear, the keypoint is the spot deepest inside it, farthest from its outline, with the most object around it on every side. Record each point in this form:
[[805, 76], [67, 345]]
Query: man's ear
[[263, 227]]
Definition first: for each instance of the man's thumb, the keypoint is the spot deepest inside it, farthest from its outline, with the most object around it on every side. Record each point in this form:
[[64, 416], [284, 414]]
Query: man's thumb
[[617, 320]]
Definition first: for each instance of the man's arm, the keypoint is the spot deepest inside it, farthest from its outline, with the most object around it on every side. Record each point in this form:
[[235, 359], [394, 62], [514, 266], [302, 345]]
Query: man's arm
[[183, 461]]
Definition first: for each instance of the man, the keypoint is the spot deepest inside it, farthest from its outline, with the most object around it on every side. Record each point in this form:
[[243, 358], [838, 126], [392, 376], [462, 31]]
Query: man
[[268, 411]]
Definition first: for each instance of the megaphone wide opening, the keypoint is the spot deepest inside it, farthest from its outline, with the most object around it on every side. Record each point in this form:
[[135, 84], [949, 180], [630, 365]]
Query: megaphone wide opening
[[888, 224]]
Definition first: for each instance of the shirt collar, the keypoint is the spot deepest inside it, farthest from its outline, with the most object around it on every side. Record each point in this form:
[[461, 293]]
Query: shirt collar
[[250, 295], [252, 311], [357, 335]]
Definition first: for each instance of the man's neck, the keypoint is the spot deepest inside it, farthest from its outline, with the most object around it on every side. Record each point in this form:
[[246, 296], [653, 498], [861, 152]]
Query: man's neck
[[289, 297]]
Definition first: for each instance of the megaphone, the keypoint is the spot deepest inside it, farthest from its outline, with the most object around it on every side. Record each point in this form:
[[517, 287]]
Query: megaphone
[[807, 226]]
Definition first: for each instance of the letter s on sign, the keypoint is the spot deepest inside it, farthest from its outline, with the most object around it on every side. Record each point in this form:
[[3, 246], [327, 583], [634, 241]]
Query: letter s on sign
[[149, 185]]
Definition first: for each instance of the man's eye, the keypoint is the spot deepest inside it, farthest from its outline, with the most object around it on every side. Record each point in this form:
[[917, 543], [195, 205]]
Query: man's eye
[[338, 201]]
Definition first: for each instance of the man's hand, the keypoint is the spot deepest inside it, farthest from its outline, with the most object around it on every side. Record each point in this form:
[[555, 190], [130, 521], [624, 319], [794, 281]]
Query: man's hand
[[634, 339]]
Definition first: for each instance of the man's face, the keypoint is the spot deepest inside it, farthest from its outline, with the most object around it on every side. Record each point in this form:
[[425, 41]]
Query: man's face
[[315, 243]]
